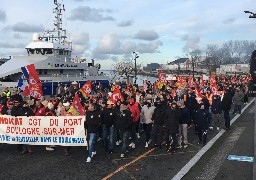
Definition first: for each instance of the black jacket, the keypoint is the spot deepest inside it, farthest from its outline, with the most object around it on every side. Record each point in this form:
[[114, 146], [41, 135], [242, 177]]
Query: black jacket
[[171, 119], [108, 117], [185, 116], [16, 111], [226, 102], [26, 111], [92, 121], [158, 115], [216, 105], [124, 120], [202, 119]]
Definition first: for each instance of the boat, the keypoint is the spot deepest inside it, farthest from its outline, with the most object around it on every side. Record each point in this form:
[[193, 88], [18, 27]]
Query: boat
[[51, 55]]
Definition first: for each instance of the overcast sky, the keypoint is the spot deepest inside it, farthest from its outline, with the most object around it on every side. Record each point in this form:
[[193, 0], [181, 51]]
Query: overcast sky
[[110, 30]]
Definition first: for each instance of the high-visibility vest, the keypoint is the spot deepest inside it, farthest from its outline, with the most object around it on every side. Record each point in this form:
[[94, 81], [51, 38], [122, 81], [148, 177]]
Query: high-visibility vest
[[7, 94]]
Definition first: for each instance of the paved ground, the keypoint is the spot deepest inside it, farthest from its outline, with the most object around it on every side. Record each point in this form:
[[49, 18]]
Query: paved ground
[[237, 141], [141, 163]]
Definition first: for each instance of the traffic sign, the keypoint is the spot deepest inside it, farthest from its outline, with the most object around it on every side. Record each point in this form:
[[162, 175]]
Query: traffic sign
[[240, 158]]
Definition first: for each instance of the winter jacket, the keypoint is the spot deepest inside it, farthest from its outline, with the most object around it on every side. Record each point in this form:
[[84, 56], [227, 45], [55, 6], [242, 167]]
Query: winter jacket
[[238, 98], [185, 115], [92, 121], [226, 102], [108, 117], [134, 108], [123, 120], [26, 111], [39, 111], [202, 119], [172, 119], [216, 105], [147, 113], [158, 115]]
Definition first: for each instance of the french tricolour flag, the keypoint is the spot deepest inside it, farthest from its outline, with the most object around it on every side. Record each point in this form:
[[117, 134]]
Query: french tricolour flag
[[24, 87]]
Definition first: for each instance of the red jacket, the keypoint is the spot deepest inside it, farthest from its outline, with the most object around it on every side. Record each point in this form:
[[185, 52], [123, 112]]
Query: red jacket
[[134, 108], [39, 111]]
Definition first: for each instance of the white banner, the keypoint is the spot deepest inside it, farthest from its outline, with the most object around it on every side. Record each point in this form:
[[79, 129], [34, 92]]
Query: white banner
[[43, 130]]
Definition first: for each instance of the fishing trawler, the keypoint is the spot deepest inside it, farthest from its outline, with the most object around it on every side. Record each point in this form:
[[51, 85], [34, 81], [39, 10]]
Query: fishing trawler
[[51, 55]]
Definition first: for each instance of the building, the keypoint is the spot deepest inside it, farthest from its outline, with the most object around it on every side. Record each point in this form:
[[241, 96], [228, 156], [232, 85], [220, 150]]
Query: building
[[151, 67], [233, 68]]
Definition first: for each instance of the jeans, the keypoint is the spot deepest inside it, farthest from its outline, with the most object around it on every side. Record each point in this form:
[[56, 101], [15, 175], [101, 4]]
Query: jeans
[[183, 132], [90, 144], [109, 136], [202, 135], [124, 136], [157, 134], [147, 129], [237, 108], [227, 119], [174, 139]]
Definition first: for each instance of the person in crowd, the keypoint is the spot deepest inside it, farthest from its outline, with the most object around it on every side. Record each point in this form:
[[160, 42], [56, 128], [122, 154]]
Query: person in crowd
[[108, 124], [16, 97], [49, 111], [60, 90], [226, 106], [183, 125], [92, 122], [171, 125], [216, 112], [238, 100], [39, 109], [158, 123], [202, 118], [134, 108], [123, 124], [147, 113], [26, 111], [245, 89]]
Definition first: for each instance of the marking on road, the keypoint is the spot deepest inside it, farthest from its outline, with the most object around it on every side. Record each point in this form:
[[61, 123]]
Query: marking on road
[[195, 146], [212, 167], [155, 155], [240, 158], [196, 158], [128, 164]]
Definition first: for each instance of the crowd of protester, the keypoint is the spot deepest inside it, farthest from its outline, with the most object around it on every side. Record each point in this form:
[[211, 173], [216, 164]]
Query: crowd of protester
[[160, 114]]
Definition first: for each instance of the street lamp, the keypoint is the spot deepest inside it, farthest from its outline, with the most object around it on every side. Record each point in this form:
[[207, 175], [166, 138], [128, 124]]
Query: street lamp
[[253, 15], [135, 68]]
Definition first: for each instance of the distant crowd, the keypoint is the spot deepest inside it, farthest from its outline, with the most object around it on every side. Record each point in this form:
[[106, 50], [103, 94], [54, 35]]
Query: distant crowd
[[160, 111]]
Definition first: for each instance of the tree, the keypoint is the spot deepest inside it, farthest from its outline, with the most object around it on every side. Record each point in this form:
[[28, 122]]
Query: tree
[[126, 69], [195, 57]]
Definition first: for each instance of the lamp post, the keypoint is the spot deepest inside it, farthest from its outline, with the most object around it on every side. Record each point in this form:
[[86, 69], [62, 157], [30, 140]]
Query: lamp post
[[135, 68]]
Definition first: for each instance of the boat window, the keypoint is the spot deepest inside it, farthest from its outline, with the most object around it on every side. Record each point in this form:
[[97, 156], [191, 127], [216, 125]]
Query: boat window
[[49, 51], [45, 71], [40, 71], [61, 71]]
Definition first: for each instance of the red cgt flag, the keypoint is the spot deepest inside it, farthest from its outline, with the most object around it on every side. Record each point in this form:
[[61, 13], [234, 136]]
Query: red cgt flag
[[86, 89], [76, 108], [116, 95]]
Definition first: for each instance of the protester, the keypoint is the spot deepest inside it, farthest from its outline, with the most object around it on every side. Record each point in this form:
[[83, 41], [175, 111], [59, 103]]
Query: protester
[[147, 113], [123, 124], [216, 112], [92, 122], [183, 125], [171, 125], [202, 118]]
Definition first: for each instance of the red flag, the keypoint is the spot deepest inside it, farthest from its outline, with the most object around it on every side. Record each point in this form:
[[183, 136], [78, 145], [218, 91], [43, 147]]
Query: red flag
[[183, 81], [190, 81], [174, 93], [86, 89], [198, 93], [116, 95], [161, 77], [77, 107], [145, 86], [201, 81], [35, 86]]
